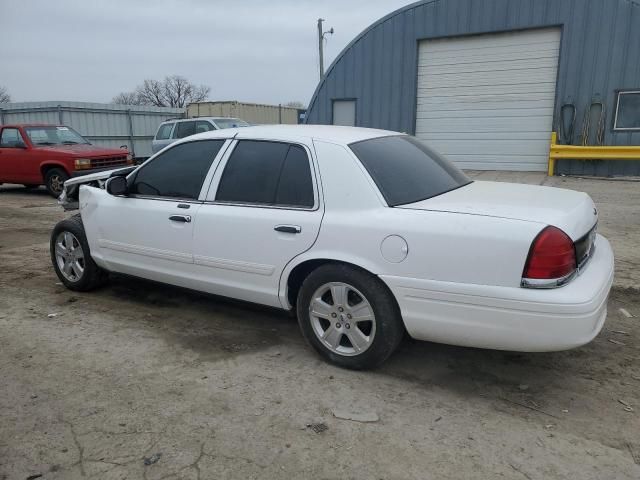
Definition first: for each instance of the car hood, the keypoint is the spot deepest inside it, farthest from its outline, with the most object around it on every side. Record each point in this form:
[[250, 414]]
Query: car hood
[[571, 211], [84, 150]]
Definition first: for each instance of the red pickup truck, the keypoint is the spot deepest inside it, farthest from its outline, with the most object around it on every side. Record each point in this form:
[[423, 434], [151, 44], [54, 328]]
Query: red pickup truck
[[41, 154]]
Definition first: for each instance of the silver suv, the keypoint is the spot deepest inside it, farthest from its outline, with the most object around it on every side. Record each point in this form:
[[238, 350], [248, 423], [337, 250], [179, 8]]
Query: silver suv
[[172, 130]]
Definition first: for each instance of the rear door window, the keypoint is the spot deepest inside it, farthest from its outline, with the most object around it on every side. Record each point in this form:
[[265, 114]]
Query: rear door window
[[267, 173], [184, 129], [178, 172], [203, 126], [164, 132], [295, 187]]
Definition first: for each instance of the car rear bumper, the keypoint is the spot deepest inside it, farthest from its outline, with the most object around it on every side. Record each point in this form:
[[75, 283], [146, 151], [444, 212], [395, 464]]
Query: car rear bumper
[[509, 318]]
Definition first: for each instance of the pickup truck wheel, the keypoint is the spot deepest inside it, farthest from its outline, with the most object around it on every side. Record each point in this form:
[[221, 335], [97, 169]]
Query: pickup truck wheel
[[54, 181], [349, 316], [71, 257]]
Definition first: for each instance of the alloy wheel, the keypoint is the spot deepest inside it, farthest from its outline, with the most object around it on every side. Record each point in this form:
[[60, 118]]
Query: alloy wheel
[[342, 318], [69, 256]]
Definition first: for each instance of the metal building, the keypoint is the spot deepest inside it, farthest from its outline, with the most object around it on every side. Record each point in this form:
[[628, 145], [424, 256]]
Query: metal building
[[486, 81], [255, 113], [103, 124]]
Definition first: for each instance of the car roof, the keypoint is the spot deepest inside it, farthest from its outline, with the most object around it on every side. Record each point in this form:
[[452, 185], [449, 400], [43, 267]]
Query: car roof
[[331, 133], [172, 120]]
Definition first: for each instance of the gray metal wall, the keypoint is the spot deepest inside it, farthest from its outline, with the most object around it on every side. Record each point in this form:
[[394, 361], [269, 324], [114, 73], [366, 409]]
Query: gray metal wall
[[599, 54], [106, 125]]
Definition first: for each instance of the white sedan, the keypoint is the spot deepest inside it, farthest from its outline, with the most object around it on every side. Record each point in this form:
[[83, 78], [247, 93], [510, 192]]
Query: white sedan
[[365, 234]]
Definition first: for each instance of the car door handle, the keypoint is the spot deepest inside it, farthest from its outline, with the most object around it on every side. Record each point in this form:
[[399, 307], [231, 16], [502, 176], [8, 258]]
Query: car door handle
[[288, 228], [180, 218]]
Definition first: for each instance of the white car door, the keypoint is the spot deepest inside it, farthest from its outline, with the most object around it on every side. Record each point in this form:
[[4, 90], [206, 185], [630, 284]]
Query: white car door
[[149, 232], [263, 209]]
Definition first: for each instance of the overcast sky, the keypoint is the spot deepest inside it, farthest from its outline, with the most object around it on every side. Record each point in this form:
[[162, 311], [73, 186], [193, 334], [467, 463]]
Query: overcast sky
[[247, 50]]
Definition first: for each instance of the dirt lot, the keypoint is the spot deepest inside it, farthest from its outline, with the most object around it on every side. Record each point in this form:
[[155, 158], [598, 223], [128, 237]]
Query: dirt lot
[[199, 387]]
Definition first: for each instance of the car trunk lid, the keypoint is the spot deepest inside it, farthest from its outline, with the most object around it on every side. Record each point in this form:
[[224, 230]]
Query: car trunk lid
[[571, 211]]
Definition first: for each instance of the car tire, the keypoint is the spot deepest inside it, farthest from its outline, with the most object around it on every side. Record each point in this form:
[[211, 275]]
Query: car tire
[[71, 257], [54, 181], [331, 326]]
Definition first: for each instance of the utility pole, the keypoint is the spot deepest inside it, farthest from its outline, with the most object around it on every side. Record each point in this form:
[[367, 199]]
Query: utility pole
[[321, 37]]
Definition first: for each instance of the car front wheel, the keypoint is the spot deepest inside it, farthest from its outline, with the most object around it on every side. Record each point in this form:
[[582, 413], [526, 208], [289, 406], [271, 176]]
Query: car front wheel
[[349, 316], [71, 257]]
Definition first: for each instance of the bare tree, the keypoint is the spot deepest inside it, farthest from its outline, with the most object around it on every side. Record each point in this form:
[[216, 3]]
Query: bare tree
[[295, 104], [126, 98], [174, 91], [4, 95]]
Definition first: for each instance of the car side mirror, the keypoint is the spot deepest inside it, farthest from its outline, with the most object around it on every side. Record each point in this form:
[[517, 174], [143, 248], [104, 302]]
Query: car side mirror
[[117, 186]]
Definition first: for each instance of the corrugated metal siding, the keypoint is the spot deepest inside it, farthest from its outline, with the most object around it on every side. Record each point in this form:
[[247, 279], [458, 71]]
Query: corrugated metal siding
[[106, 125], [599, 54], [250, 112]]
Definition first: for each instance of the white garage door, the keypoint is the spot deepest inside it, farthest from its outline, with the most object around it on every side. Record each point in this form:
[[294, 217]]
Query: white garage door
[[487, 101], [344, 112]]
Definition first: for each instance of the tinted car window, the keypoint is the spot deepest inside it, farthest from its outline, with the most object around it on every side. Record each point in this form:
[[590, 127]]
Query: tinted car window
[[267, 173], [203, 126], [164, 131], [179, 172], [10, 138], [184, 129], [407, 171], [295, 186]]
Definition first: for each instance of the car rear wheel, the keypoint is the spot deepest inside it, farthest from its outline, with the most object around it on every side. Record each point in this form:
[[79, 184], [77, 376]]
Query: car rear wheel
[[54, 181], [349, 316], [71, 257]]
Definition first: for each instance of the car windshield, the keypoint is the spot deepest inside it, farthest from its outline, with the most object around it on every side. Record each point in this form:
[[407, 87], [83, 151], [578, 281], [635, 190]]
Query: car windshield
[[407, 171], [54, 136], [230, 123]]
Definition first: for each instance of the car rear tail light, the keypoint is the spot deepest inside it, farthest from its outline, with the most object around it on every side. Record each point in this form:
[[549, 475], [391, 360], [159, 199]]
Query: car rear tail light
[[552, 260]]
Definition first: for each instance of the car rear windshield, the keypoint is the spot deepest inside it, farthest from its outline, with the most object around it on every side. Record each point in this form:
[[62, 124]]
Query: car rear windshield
[[407, 171]]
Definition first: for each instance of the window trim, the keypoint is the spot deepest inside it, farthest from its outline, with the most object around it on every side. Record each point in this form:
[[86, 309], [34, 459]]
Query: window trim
[[213, 188], [619, 93], [205, 183]]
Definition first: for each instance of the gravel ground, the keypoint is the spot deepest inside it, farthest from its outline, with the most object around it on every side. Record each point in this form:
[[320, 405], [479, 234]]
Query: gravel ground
[[139, 380]]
